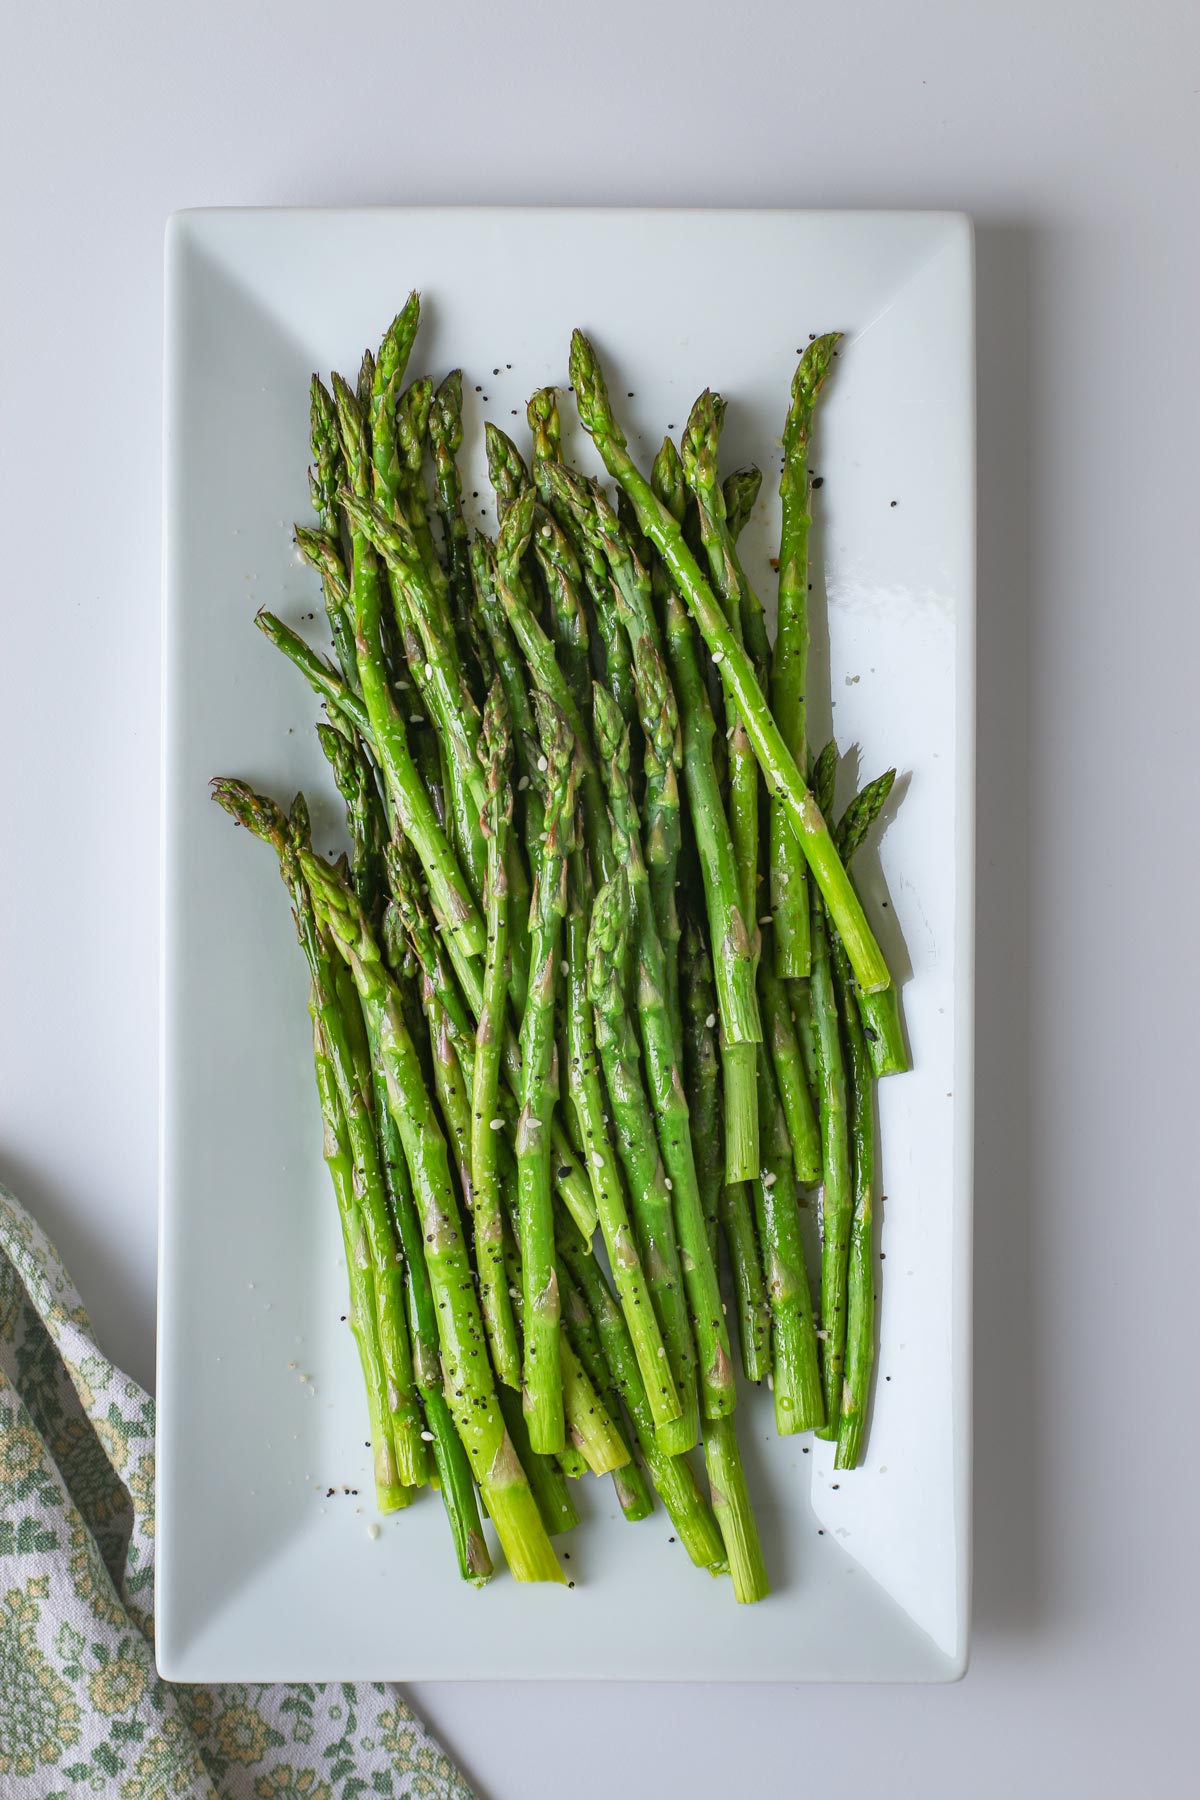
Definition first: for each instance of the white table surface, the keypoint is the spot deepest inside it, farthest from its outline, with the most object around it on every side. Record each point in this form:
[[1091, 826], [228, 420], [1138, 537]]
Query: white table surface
[[1070, 131]]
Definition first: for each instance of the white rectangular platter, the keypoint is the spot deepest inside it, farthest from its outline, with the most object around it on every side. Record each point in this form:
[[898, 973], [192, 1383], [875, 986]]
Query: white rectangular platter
[[262, 1573]]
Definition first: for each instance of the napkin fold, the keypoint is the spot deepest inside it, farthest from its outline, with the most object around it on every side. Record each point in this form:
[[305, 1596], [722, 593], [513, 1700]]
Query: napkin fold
[[82, 1707]]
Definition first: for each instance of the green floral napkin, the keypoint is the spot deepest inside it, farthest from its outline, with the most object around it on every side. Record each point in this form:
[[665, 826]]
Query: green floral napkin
[[82, 1708]]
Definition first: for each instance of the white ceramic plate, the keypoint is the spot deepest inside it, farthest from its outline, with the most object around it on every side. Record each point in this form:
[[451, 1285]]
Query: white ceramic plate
[[262, 1575]]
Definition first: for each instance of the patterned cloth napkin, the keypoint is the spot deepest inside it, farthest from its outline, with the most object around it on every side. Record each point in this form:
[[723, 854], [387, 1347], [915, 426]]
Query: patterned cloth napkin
[[82, 1708]]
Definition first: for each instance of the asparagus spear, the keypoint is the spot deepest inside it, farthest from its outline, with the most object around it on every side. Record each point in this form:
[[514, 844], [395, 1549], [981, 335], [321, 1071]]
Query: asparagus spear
[[729, 928], [717, 1390], [853, 827], [699, 458], [860, 1308], [495, 751], [366, 381], [880, 1012], [543, 1373], [445, 437], [737, 673], [380, 402], [740, 491], [734, 1514], [796, 1375], [673, 1478], [604, 1172], [506, 468], [389, 1491], [789, 684], [402, 1418], [837, 1205], [469, 1388], [728, 1203], [637, 1147]]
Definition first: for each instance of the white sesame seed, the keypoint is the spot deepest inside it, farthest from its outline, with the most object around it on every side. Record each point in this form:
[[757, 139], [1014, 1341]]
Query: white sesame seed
[[670, 1185], [770, 1178], [429, 671], [427, 1437], [597, 1159], [522, 784], [542, 764], [711, 1020], [372, 1529], [718, 655], [497, 1124]]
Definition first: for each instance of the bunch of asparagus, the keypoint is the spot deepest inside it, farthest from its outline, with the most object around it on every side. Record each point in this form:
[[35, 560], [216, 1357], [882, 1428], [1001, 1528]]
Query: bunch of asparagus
[[558, 994]]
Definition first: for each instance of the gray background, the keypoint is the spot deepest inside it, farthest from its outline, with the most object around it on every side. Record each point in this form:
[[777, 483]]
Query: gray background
[[1070, 131]]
